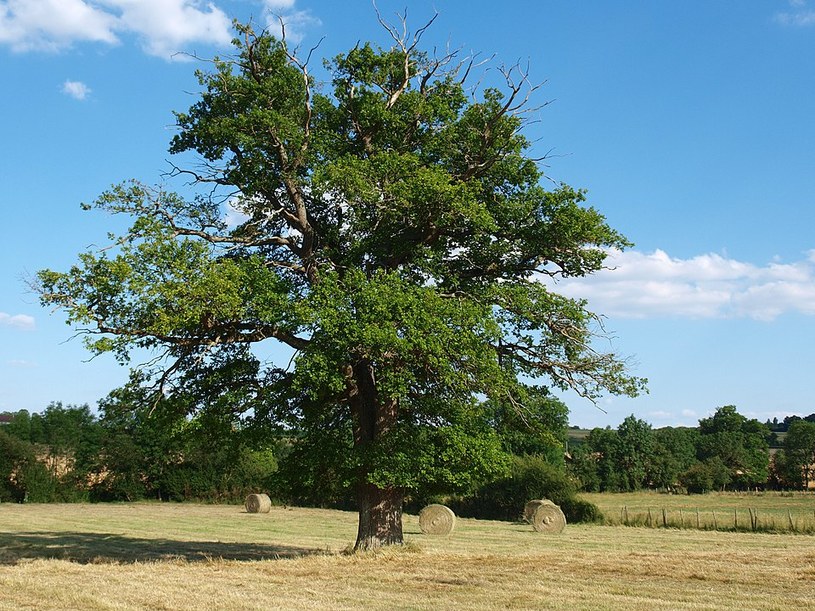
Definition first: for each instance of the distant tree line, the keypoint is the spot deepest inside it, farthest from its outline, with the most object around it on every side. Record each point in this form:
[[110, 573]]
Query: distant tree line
[[127, 453], [130, 451], [782, 426], [727, 451]]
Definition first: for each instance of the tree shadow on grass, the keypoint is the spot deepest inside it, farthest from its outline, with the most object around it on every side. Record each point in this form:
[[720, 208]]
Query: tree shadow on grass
[[100, 548]]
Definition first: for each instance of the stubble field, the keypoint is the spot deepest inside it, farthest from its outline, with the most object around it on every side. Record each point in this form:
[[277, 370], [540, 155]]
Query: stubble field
[[168, 556]]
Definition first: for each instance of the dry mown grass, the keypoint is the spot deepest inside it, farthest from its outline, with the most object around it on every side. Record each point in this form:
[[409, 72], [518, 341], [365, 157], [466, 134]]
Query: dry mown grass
[[192, 556]]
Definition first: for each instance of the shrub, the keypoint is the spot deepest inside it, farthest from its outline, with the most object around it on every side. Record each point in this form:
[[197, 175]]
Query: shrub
[[22, 476], [14, 455], [226, 476], [702, 477], [531, 478], [698, 479], [115, 486], [581, 510], [35, 483]]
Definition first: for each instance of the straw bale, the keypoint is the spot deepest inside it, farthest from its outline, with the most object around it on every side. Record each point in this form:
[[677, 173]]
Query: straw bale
[[258, 503], [437, 520], [531, 506], [548, 518]]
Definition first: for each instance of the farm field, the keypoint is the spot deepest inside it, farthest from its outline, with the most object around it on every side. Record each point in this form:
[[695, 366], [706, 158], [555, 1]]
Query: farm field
[[771, 511], [170, 556]]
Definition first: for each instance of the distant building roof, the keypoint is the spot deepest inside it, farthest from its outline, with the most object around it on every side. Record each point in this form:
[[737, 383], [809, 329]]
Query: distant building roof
[[6, 418]]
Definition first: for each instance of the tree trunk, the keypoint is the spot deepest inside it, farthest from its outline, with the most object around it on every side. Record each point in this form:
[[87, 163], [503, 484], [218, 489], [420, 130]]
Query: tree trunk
[[380, 509], [380, 517]]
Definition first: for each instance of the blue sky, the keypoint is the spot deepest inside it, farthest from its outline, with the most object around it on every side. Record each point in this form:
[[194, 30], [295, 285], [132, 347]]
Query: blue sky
[[689, 123]]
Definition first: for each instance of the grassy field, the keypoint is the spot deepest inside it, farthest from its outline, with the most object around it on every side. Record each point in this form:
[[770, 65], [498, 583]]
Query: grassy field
[[770, 511], [168, 556]]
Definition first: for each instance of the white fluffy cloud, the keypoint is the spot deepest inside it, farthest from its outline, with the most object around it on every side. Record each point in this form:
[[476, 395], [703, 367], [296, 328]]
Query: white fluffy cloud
[[163, 26], [53, 24], [233, 214], [279, 5], [647, 285], [18, 321], [76, 89], [295, 21], [800, 14], [167, 26]]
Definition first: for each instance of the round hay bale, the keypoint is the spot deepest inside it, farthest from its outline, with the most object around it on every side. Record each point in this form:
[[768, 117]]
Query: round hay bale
[[258, 503], [437, 520], [548, 518], [531, 506]]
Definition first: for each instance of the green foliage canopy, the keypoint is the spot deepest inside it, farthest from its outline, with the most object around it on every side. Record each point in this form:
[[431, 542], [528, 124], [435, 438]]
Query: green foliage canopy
[[799, 453], [737, 442]]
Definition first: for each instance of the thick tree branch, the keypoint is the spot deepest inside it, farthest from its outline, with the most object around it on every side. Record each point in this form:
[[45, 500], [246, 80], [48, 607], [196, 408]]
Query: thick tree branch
[[223, 333]]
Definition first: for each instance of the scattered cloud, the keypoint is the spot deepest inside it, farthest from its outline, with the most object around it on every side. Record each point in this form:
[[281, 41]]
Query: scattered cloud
[[279, 5], [661, 417], [163, 26], [50, 25], [21, 364], [76, 89], [800, 15], [234, 214], [652, 285], [295, 21], [168, 26], [17, 321]]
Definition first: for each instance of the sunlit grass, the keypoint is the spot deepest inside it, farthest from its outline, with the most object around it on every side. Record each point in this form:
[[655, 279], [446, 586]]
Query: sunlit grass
[[165, 556], [761, 511]]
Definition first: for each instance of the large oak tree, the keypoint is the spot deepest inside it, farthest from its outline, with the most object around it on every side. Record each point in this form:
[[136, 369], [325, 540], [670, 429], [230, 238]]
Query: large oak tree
[[395, 235]]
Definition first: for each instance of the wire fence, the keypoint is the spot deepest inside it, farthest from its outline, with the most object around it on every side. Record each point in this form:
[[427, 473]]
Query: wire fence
[[736, 520]]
